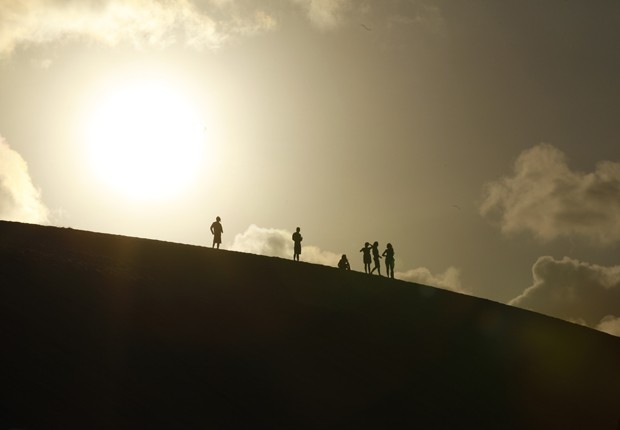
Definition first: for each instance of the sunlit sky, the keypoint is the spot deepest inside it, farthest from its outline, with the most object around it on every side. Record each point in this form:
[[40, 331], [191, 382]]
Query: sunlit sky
[[481, 139]]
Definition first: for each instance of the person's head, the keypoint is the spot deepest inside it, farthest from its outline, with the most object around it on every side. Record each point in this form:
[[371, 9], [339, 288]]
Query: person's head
[[218, 218], [375, 244], [344, 256], [297, 229], [389, 245], [366, 245]]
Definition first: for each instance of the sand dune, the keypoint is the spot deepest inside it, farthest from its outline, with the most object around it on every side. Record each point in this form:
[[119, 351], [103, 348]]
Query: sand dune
[[111, 332]]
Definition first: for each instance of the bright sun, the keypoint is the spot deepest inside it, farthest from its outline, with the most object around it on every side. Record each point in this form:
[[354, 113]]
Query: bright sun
[[145, 140]]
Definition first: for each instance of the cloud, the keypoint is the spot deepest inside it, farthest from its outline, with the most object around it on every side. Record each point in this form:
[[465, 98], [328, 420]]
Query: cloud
[[421, 15], [141, 23], [448, 280], [199, 24], [574, 291], [19, 199], [546, 198], [325, 14], [278, 243], [610, 324]]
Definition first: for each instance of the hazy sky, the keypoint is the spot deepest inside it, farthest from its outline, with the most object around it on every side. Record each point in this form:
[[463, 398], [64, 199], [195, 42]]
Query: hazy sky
[[480, 138]]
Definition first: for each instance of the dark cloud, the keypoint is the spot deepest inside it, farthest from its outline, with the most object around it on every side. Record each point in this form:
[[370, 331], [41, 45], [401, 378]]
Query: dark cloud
[[574, 291], [546, 198]]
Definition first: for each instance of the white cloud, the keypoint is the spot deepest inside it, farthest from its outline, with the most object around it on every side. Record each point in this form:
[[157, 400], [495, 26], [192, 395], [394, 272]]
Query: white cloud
[[197, 24], [141, 23], [278, 243], [549, 200], [574, 291], [325, 14], [19, 199], [448, 280], [610, 324]]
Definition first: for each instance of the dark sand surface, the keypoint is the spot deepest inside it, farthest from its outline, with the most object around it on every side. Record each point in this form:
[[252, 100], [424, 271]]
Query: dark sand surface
[[101, 331]]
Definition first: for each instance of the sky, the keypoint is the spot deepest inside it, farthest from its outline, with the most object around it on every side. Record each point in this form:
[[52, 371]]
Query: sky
[[480, 139]]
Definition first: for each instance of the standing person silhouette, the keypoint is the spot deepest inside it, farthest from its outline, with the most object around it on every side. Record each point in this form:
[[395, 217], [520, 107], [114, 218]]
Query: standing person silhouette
[[216, 231], [376, 257], [344, 263], [389, 260], [366, 257], [297, 245]]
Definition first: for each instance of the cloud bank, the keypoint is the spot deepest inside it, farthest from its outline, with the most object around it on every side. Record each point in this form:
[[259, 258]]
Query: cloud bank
[[199, 24], [141, 23], [575, 291], [19, 199], [448, 280], [546, 198], [278, 243]]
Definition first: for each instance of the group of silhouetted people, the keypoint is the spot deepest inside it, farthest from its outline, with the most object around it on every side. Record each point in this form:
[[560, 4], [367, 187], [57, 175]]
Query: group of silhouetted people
[[373, 249], [370, 252]]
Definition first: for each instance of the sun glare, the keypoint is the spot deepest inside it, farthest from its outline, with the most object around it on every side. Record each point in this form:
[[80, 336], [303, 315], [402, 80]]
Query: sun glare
[[145, 140]]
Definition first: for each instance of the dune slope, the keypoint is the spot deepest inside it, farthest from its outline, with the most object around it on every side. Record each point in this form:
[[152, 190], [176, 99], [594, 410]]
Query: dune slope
[[105, 331]]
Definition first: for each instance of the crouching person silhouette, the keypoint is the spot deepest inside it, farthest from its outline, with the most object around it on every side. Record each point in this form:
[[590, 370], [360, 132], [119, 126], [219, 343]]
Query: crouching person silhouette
[[344, 263]]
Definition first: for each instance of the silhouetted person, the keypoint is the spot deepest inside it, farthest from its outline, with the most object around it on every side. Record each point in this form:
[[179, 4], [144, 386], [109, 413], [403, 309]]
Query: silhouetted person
[[376, 257], [366, 257], [216, 231], [297, 244], [389, 260], [344, 263]]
